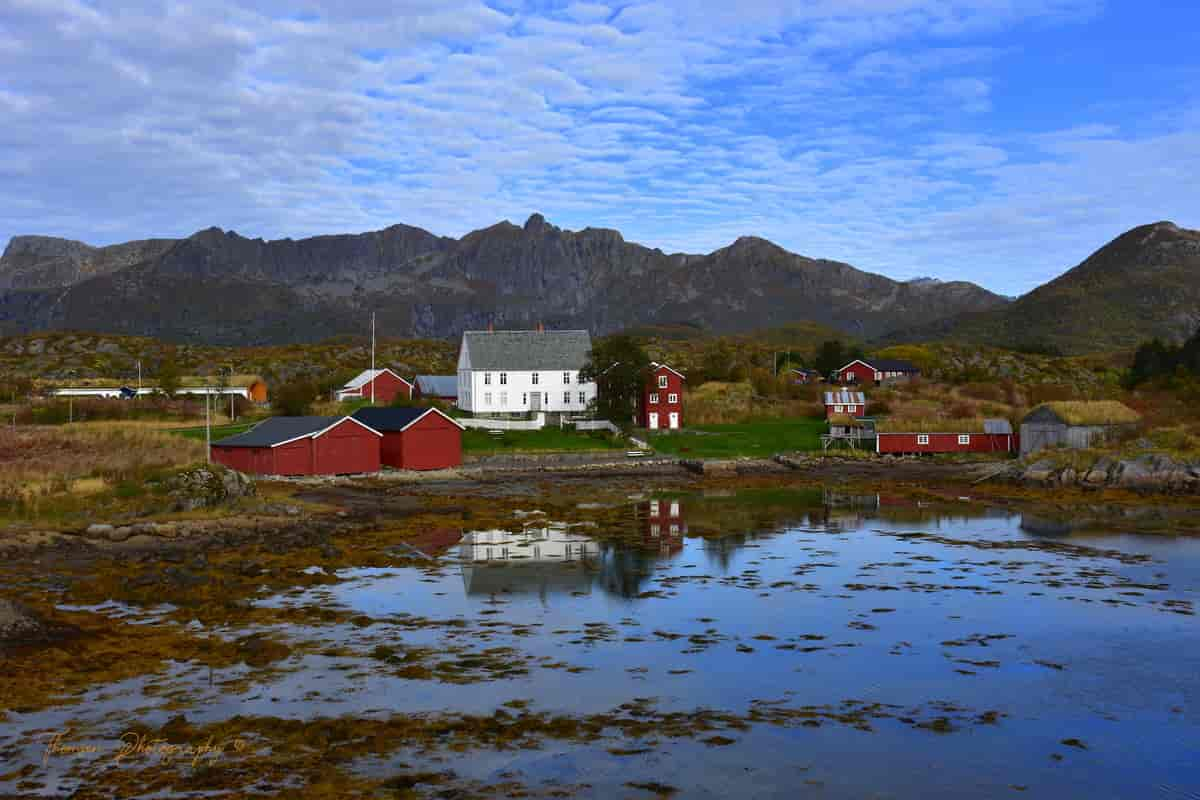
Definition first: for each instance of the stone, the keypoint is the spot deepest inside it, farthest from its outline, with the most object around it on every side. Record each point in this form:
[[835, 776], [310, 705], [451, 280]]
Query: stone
[[120, 534], [97, 529]]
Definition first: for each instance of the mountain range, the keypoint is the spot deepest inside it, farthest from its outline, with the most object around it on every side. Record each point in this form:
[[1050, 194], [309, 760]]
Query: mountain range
[[219, 287]]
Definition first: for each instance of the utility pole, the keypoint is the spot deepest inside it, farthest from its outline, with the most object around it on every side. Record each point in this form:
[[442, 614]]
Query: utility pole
[[373, 376], [139, 365], [207, 427]]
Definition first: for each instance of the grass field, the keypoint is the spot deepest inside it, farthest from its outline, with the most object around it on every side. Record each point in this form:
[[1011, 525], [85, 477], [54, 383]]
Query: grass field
[[218, 431], [754, 439], [543, 441]]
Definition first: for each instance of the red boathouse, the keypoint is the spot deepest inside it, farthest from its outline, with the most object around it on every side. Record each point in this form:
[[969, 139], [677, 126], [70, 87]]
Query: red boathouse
[[415, 438], [302, 446], [661, 403], [946, 436], [387, 387]]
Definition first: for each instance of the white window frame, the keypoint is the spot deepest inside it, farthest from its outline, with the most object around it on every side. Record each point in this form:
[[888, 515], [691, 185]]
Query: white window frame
[[524, 399], [672, 398], [964, 438], [487, 398], [583, 398], [503, 378], [851, 409], [923, 438], [654, 398], [662, 381], [566, 398], [654, 508], [504, 398], [534, 379], [487, 379], [838, 409], [566, 378]]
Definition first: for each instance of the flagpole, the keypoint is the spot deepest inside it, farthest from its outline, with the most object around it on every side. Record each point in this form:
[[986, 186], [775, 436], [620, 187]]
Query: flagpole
[[373, 376]]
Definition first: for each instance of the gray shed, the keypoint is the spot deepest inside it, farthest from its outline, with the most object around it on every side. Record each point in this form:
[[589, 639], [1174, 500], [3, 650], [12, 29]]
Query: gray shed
[[1075, 425]]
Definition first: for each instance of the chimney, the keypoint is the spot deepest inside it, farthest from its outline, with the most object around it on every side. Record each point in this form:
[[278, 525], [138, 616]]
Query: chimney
[[491, 328], [541, 328]]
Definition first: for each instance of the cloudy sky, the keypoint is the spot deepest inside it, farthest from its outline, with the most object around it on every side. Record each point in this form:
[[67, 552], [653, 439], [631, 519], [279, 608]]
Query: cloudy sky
[[998, 141]]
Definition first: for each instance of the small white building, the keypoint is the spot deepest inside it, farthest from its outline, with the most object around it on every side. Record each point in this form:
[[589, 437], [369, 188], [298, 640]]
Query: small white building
[[519, 372]]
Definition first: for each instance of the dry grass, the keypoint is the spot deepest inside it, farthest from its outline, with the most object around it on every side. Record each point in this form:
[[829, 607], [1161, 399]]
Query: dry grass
[[717, 403], [1095, 412], [930, 425], [43, 466]]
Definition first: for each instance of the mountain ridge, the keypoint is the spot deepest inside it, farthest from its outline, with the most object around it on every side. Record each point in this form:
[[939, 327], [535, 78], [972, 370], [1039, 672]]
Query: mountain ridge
[[219, 286]]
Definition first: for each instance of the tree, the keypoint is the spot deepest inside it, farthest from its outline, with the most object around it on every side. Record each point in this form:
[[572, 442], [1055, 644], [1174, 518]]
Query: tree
[[168, 375], [294, 398], [618, 365], [830, 357]]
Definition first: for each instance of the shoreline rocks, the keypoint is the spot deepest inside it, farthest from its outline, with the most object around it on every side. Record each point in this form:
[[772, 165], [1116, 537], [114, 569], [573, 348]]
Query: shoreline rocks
[[1150, 472]]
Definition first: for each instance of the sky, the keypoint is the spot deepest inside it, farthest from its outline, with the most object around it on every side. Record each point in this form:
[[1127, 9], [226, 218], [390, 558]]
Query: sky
[[996, 141]]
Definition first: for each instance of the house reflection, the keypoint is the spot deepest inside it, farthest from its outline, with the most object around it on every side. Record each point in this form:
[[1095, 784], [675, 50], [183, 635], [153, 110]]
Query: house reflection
[[537, 559], [662, 524]]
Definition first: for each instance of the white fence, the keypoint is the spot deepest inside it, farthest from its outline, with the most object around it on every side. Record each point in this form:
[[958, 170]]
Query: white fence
[[592, 425], [535, 424]]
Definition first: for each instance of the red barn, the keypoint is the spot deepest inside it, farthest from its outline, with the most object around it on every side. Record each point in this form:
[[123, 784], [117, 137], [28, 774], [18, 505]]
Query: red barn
[[302, 446], [952, 436], [415, 438], [663, 525], [844, 401], [661, 403], [386, 384], [878, 370]]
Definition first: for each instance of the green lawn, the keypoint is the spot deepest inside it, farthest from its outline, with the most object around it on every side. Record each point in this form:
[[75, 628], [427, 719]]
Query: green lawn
[[545, 440], [754, 439], [218, 431]]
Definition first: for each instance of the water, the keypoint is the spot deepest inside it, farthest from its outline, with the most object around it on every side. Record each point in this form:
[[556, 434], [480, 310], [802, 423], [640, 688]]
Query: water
[[997, 660]]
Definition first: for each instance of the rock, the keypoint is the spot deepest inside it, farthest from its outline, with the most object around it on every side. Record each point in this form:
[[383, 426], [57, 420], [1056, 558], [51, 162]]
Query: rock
[[96, 530], [19, 624], [120, 534], [207, 487]]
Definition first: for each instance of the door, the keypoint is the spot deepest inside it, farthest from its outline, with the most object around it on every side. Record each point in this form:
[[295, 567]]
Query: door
[[535, 401], [653, 421], [673, 420]]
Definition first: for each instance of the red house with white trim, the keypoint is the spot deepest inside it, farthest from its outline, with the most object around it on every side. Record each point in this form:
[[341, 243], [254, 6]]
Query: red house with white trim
[[996, 437], [302, 446], [844, 401], [387, 386], [878, 370], [415, 438], [661, 403]]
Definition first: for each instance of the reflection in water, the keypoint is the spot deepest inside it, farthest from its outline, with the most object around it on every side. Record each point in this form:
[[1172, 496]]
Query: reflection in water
[[549, 558]]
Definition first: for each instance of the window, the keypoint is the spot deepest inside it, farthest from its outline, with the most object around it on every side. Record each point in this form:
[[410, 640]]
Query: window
[[923, 438], [535, 379], [654, 508], [487, 379], [582, 399], [851, 409], [878, 376], [566, 377], [662, 381], [838, 409], [504, 398], [566, 398], [545, 398], [487, 398], [672, 398], [675, 508], [964, 438], [503, 378], [674, 530], [655, 530], [654, 397]]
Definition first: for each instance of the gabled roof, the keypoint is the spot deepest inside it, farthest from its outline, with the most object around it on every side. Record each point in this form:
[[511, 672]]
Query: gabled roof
[[845, 398], [885, 365], [1001, 426], [366, 376], [656, 366], [277, 431], [392, 420], [528, 350], [438, 385], [1096, 412]]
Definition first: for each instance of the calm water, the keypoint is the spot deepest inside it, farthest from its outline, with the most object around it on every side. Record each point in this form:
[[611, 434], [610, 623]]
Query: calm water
[[769, 600]]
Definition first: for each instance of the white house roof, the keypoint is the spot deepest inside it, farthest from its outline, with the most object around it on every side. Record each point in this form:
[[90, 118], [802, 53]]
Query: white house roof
[[523, 351], [654, 365], [366, 376], [845, 398]]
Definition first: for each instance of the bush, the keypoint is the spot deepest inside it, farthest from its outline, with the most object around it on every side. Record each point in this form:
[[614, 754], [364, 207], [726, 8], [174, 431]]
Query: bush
[[294, 398]]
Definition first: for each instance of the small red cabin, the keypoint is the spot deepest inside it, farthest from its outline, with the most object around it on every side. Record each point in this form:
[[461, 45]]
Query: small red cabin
[[879, 370], [415, 438], [996, 437], [385, 384], [845, 402], [663, 525], [302, 446], [661, 403]]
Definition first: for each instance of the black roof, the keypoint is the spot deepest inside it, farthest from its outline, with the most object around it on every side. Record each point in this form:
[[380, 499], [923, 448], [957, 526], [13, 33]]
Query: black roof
[[276, 430], [387, 419]]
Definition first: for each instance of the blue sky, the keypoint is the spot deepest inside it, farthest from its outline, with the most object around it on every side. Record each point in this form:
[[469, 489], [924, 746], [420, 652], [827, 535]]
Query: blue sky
[[998, 141]]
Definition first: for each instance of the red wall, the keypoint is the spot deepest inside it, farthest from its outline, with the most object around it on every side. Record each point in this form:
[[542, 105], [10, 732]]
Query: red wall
[[857, 373], [387, 386], [946, 443], [433, 442], [860, 409], [289, 459], [664, 409], [344, 448]]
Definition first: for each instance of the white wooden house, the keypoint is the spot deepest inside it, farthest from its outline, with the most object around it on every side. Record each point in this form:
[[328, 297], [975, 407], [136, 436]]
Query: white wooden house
[[502, 373]]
